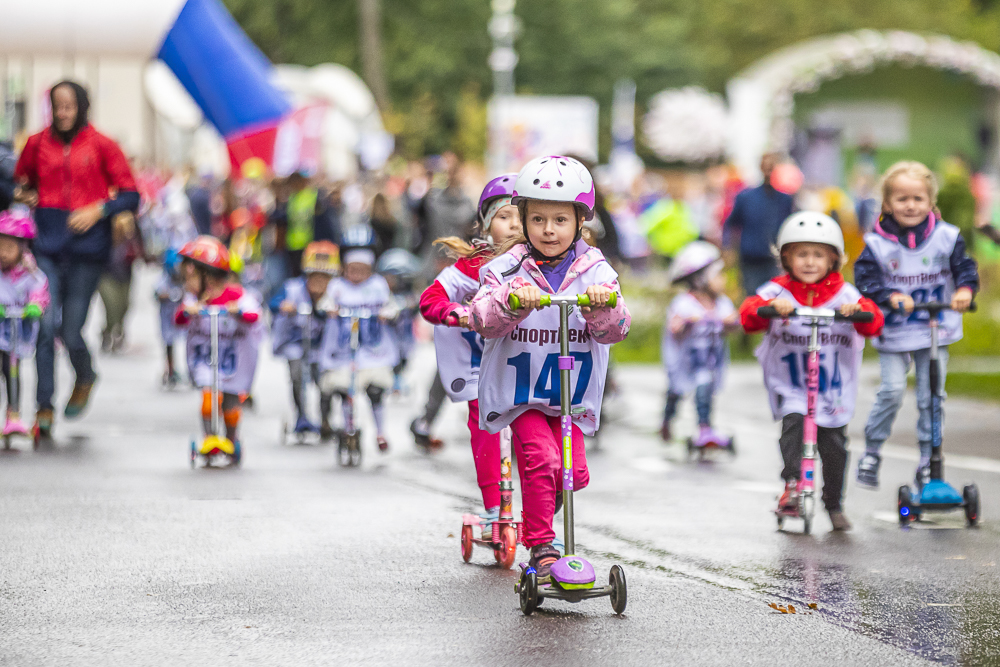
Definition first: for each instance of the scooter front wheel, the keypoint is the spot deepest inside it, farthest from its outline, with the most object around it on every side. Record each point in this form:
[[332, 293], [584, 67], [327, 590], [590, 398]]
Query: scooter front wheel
[[194, 455], [971, 496], [528, 592], [466, 543], [806, 508], [904, 506], [619, 589], [508, 547]]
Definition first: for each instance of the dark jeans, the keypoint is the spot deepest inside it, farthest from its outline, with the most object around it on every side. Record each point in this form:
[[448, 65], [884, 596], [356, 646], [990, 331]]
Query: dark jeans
[[435, 399], [702, 404], [831, 444], [72, 285]]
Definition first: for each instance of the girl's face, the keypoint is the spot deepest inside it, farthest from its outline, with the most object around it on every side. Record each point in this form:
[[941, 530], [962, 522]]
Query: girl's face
[[909, 201], [717, 284], [191, 278], [809, 263], [506, 225], [10, 252], [551, 226]]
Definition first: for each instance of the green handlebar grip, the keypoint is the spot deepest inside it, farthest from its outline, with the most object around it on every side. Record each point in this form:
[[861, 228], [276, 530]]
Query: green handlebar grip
[[546, 300], [514, 302]]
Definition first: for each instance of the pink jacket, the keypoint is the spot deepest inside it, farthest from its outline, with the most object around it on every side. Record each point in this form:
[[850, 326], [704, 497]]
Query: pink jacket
[[492, 318]]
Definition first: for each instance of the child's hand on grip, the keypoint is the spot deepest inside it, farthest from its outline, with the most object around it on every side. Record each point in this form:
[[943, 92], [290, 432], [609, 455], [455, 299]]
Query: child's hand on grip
[[899, 299], [783, 306], [529, 296], [849, 309], [287, 307], [599, 295], [962, 299]]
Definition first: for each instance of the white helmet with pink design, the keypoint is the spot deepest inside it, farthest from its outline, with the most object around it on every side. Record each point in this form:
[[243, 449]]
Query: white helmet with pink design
[[557, 178]]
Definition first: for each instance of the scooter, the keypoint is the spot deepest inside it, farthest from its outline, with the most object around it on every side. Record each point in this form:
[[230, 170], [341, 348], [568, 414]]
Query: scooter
[[708, 438], [505, 533], [215, 446], [288, 432], [572, 577], [14, 426], [936, 495], [815, 318], [349, 439]]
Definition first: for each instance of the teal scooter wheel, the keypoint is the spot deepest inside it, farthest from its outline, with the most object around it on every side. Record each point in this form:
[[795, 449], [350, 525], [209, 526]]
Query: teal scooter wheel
[[194, 455], [237, 453]]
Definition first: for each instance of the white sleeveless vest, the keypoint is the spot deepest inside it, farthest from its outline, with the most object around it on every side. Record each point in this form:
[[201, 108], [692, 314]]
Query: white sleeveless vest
[[377, 348], [521, 370], [286, 333], [459, 351], [701, 355], [925, 274], [238, 347], [784, 352]]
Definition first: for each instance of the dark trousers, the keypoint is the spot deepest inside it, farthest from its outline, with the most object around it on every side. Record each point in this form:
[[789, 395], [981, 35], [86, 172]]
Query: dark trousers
[[831, 444], [434, 400], [71, 287]]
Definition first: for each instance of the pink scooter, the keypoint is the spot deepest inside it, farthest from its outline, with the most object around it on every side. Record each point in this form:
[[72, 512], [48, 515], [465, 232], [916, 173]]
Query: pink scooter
[[505, 533], [815, 318]]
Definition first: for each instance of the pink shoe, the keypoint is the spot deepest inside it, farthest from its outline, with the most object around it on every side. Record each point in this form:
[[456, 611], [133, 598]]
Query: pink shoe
[[14, 425]]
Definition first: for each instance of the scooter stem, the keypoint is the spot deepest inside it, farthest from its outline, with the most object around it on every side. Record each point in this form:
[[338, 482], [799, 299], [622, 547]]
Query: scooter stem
[[566, 423], [506, 478], [934, 378], [213, 320]]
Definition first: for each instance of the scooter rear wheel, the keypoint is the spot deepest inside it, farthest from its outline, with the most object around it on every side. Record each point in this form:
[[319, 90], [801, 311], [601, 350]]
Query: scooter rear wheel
[[194, 455], [466, 543], [528, 592], [619, 589], [806, 509], [508, 547], [971, 496]]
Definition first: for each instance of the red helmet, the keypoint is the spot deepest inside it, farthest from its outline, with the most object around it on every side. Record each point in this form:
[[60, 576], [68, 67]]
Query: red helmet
[[208, 251]]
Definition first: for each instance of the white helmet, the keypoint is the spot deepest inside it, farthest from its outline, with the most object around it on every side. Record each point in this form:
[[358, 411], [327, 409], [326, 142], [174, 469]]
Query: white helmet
[[811, 227], [694, 257], [556, 178]]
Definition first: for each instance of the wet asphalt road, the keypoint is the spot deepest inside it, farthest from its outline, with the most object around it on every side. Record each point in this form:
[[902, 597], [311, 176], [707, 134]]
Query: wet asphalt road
[[115, 552]]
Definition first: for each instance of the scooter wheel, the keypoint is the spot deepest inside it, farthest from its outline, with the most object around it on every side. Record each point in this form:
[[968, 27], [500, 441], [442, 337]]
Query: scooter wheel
[[356, 448], [781, 521], [508, 547], [904, 506], [690, 448], [619, 590], [528, 592], [806, 506], [194, 455], [971, 496], [237, 453], [343, 451], [466, 543], [732, 446], [284, 433]]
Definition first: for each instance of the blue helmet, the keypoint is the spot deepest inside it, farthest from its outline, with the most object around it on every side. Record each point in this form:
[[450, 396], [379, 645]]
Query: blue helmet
[[358, 236], [398, 262]]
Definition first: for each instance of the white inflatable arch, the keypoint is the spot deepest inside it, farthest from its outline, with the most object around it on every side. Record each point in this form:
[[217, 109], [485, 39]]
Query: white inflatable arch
[[761, 98]]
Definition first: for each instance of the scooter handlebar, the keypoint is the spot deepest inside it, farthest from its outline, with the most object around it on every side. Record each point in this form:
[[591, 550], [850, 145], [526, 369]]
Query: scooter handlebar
[[770, 313], [556, 299], [935, 307]]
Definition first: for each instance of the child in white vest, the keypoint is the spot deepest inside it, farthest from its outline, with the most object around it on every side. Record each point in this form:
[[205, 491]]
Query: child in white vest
[[445, 304], [694, 346], [554, 196], [320, 263], [811, 248], [911, 256]]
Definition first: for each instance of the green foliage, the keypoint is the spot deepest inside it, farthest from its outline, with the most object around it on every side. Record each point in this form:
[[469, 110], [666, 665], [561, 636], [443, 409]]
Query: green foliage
[[434, 50]]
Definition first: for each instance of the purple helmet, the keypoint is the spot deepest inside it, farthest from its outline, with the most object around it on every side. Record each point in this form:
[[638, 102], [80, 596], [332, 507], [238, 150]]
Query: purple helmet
[[17, 223], [501, 186], [557, 178]]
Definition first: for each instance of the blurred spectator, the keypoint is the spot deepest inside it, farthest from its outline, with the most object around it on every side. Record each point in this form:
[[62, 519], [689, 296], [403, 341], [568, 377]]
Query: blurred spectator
[[383, 222], [330, 216], [446, 211], [7, 163], [298, 228], [199, 195], [116, 281], [753, 223]]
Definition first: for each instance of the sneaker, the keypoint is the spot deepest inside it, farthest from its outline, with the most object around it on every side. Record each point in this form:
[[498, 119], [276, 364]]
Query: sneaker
[[326, 432], [79, 399], [868, 470], [486, 520], [303, 425], [421, 431], [383, 444], [43, 423], [542, 558], [839, 520], [922, 476], [789, 500]]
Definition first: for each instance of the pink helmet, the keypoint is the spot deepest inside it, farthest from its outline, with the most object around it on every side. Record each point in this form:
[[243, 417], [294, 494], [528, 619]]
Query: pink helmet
[[17, 224], [557, 178]]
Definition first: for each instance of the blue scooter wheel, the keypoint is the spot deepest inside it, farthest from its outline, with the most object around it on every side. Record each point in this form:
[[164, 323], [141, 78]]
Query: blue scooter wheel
[[237, 453], [194, 455], [904, 506]]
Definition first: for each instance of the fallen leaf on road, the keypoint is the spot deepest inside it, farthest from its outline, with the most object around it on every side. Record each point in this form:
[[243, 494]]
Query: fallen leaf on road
[[812, 605]]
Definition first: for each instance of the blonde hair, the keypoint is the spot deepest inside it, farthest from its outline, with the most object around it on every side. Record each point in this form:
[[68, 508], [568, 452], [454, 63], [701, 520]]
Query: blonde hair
[[913, 169], [456, 247]]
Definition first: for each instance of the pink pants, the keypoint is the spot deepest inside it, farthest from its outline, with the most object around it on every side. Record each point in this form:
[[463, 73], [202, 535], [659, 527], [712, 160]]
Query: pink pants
[[486, 454], [538, 441]]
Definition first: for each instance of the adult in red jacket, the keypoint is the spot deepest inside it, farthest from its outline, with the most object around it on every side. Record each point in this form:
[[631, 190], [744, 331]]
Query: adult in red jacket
[[76, 178]]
